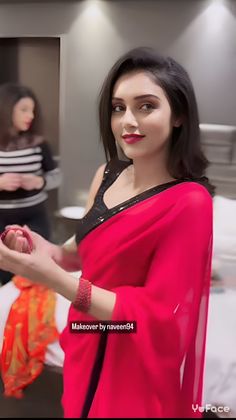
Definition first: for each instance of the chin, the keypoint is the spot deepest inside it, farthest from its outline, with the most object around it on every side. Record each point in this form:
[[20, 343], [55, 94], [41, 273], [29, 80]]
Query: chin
[[135, 154]]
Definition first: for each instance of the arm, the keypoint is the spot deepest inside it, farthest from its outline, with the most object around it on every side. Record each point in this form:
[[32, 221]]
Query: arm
[[102, 301], [56, 260], [186, 242], [67, 256], [41, 181], [51, 173]]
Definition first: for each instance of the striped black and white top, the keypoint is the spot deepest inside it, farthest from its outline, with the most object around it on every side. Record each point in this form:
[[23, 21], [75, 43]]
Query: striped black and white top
[[37, 160]]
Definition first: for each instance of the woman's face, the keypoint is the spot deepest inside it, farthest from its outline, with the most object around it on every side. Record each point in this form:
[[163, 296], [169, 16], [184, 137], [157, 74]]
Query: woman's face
[[141, 119], [23, 114]]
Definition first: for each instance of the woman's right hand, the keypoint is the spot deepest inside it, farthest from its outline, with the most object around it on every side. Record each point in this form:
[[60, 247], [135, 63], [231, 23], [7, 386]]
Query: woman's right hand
[[16, 241], [38, 265], [10, 182], [13, 238], [64, 256]]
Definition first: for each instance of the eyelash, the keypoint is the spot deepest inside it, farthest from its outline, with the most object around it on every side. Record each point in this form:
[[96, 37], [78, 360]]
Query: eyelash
[[122, 107]]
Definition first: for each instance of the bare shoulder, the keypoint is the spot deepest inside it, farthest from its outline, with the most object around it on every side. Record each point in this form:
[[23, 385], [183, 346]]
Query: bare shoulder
[[100, 172], [70, 245], [96, 182]]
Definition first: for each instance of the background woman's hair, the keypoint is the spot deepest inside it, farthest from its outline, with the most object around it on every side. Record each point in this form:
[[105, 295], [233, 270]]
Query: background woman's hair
[[186, 158], [10, 94]]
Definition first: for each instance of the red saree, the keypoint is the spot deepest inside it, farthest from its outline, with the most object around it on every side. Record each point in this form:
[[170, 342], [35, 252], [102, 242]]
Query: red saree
[[156, 255]]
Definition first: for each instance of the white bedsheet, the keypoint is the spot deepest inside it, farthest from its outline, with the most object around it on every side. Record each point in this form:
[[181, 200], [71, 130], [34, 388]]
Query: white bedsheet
[[220, 367]]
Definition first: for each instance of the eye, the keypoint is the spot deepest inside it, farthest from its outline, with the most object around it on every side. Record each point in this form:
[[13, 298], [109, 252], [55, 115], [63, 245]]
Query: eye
[[117, 108], [147, 107]]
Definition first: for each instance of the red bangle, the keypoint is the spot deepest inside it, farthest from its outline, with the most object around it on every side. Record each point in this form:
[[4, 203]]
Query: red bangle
[[82, 300], [24, 233]]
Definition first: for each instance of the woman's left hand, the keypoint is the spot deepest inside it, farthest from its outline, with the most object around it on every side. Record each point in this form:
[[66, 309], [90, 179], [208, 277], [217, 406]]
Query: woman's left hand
[[31, 182]]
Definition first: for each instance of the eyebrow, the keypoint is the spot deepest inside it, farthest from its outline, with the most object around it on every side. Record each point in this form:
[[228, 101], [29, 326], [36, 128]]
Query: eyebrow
[[139, 97]]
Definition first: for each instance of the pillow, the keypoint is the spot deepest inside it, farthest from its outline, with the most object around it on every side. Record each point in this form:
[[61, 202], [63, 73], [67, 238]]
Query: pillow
[[224, 236], [224, 216]]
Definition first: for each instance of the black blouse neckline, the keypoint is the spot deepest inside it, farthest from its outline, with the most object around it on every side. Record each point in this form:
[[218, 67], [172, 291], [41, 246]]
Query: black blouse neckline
[[145, 194], [99, 212], [137, 197]]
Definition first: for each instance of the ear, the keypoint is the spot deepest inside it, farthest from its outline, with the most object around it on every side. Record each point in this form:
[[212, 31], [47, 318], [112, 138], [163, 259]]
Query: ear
[[178, 122]]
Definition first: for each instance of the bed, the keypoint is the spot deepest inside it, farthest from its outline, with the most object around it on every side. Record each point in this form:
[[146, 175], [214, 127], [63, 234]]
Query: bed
[[219, 143]]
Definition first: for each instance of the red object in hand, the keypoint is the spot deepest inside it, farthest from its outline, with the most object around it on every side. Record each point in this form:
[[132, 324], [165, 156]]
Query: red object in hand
[[25, 234]]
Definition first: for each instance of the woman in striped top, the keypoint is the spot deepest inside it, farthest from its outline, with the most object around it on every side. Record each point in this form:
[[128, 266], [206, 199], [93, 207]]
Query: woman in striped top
[[27, 167]]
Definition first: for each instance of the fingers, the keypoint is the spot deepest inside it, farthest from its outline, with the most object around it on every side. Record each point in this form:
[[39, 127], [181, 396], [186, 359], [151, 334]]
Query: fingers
[[13, 232], [13, 261], [13, 227], [7, 254], [15, 240], [25, 227], [21, 245], [10, 239]]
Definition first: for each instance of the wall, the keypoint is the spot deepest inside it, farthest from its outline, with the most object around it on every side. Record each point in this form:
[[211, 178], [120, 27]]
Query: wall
[[38, 67], [8, 54], [199, 34]]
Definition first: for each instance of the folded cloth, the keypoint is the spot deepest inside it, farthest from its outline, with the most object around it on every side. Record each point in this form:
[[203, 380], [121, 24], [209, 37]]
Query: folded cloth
[[29, 329]]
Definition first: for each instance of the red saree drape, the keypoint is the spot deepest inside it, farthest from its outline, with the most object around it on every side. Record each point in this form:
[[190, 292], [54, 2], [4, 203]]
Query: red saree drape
[[156, 256]]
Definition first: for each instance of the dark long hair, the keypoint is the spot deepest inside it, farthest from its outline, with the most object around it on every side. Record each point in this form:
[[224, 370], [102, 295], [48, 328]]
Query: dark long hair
[[10, 94], [186, 159]]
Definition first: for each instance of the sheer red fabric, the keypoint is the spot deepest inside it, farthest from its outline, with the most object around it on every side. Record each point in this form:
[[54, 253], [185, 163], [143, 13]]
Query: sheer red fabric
[[156, 256]]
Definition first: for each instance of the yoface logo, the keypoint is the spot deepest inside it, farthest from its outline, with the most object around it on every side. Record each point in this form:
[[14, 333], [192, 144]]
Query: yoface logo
[[210, 407]]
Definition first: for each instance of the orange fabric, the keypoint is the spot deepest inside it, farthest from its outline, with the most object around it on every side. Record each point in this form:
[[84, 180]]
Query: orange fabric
[[29, 329]]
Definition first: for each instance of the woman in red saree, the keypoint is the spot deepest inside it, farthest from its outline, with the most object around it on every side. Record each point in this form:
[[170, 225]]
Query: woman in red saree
[[144, 248]]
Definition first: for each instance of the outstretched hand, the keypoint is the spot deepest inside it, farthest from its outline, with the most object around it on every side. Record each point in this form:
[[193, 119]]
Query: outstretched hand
[[14, 261], [14, 255], [18, 239]]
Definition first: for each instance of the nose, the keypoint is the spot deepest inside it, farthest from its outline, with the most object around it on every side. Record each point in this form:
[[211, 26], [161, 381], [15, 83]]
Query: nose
[[129, 119]]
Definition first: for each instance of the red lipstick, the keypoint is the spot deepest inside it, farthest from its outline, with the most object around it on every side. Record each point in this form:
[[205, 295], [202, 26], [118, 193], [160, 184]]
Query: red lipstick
[[132, 138]]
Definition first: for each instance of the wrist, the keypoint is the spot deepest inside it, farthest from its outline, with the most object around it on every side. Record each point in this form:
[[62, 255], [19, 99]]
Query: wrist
[[41, 182], [63, 283]]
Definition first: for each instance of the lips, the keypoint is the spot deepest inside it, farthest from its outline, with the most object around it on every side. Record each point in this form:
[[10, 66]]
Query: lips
[[132, 138]]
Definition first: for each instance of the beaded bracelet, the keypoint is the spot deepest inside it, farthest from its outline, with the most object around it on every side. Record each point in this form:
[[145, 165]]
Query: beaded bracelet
[[82, 300]]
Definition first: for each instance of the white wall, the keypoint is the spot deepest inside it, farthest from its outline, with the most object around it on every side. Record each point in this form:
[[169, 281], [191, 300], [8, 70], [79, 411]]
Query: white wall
[[197, 33]]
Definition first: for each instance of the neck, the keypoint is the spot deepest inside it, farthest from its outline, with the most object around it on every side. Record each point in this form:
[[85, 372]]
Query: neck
[[147, 172]]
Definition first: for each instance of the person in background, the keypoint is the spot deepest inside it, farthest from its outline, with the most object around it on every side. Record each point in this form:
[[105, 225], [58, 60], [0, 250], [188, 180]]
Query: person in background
[[27, 167], [144, 248]]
